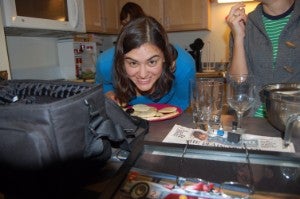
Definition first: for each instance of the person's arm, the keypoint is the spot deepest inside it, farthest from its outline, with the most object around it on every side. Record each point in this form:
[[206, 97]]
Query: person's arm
[[185, 71], [236, 21], [104, 73]]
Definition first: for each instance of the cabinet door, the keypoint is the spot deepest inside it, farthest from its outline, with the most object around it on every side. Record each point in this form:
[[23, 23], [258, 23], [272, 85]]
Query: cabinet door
[[183, 15], [101, 16], [153, 8], [110, 16], [93, 18]]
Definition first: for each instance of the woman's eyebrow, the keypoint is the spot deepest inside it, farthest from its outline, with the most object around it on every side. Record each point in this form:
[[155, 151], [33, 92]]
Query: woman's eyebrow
[[154, 56], [129, 58]]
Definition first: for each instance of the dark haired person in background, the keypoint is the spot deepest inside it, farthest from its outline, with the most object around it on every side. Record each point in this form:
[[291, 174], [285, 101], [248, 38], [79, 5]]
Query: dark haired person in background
[[172, 86], [129, 12], [266, 43]]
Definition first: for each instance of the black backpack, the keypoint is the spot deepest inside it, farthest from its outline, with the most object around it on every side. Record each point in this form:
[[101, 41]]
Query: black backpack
[[46, 123]]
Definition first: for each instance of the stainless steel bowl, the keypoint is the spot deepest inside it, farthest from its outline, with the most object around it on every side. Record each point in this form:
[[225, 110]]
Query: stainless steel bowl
[[282, 101]]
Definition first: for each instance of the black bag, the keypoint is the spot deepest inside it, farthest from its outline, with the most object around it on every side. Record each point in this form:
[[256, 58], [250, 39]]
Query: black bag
[[46, 123]]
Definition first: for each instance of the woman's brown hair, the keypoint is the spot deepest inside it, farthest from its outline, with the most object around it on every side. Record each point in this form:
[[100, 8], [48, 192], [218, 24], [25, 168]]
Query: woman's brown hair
[[136, 33]]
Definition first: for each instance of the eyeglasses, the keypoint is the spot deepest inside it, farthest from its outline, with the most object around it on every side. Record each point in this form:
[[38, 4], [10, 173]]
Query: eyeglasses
[[230, 189]]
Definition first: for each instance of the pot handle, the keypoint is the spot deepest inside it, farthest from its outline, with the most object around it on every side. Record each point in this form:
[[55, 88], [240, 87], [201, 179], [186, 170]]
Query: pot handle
[[289, 128]]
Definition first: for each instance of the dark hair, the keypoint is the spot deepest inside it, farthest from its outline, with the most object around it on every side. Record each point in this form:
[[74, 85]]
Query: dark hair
[[132, 10], [136, 33]]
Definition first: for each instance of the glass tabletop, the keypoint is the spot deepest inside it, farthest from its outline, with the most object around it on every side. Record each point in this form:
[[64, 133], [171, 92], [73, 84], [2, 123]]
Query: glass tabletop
[[262, 172]]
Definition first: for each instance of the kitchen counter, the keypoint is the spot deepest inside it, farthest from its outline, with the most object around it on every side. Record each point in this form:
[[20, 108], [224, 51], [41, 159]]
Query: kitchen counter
[[211, 74]]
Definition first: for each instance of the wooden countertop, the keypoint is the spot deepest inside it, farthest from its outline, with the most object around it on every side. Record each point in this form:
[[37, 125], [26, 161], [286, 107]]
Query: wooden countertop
[[215, 74]]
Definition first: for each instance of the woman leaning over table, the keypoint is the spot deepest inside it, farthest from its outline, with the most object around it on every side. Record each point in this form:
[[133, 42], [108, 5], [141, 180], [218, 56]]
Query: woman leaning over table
[[144, 68], [266, 43]]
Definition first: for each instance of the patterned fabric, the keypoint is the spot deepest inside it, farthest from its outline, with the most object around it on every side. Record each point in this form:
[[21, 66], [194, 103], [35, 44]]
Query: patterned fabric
[[261, 111], [274, 27]]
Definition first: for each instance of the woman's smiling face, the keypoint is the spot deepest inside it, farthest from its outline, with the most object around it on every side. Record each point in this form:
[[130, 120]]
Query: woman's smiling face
[[144, 66]]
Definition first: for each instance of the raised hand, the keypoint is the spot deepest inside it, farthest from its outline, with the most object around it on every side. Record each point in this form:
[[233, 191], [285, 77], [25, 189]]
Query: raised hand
[[237, 19]]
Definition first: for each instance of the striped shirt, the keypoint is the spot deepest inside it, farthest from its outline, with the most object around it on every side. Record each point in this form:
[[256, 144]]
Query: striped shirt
[[274, 28]]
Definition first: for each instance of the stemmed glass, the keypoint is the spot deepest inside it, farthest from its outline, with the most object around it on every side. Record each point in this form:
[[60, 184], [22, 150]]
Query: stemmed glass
[[240, 94]]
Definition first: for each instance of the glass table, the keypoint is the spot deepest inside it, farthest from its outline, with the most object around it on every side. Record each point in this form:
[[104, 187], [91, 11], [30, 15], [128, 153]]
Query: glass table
[[272, 174]]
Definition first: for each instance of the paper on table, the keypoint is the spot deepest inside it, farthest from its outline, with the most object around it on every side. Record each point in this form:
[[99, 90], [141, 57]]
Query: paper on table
[[180, 134]]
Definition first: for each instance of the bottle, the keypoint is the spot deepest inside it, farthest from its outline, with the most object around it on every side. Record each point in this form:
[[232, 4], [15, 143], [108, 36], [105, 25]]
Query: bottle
[[88, 63], [78, 63]]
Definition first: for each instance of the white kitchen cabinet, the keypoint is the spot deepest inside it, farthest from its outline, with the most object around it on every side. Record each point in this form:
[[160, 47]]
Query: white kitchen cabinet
[[4, 63]]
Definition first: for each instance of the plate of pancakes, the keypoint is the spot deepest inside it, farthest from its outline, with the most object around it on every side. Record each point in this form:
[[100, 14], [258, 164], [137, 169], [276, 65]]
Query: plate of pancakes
[[154, 112]]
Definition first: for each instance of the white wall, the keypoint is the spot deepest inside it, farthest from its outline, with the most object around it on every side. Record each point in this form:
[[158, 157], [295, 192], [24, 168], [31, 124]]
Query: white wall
[[215, 41], [33, 57]]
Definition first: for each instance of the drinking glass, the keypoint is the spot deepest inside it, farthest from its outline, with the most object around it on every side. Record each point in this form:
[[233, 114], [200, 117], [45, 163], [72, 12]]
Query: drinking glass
[[206, 103], [240, 94], [200, 104]]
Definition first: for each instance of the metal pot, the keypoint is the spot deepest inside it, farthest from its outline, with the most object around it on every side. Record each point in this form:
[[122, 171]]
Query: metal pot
[[283, 107]]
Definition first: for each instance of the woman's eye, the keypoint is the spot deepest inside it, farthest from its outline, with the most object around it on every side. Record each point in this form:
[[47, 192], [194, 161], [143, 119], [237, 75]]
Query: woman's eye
[[152, 62], [133, 64]]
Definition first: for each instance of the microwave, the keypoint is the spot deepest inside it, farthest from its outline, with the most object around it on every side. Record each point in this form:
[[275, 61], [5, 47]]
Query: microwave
[[29, 16]]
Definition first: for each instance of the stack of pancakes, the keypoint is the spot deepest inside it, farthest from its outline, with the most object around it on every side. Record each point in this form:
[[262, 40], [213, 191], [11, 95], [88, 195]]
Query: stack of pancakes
[[151, 113]]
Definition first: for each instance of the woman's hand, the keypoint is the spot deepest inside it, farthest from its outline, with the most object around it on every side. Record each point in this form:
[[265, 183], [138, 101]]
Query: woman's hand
[[236, 20], [111, 95]]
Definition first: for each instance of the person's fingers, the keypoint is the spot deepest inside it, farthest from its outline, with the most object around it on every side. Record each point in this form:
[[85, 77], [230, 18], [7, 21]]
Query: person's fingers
[[236, 17], [231, 19], [236, 10]]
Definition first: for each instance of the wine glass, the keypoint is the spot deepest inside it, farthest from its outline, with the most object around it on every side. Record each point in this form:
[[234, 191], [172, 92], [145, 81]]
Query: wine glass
[[240, 94]]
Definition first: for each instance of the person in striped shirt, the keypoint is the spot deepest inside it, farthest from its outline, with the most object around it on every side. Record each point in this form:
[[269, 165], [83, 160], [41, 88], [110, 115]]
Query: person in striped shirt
[[266, 44]]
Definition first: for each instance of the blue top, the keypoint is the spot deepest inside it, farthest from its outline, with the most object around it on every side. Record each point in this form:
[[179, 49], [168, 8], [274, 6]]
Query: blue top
[[177, 96]]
